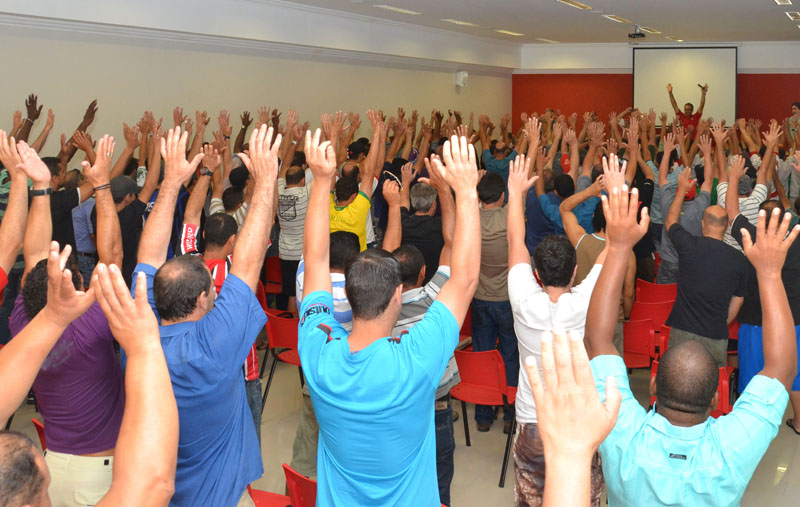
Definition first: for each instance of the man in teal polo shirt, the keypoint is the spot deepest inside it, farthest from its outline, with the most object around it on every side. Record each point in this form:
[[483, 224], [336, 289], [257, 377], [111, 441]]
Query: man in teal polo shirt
[[676, 454]]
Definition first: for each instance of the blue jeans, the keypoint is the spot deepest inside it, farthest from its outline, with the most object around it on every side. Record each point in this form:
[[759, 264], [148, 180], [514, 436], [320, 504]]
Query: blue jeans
[[9, 296], [253, 389], [492, 321], [445, 446]]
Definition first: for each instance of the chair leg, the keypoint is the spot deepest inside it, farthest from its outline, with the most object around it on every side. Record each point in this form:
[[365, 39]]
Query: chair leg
[[507, 454], [302, 379], [264, 363], [466, 422], [269, 381]]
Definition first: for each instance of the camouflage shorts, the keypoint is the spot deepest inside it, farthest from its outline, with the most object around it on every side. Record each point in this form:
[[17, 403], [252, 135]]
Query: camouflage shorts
[[529, 469]]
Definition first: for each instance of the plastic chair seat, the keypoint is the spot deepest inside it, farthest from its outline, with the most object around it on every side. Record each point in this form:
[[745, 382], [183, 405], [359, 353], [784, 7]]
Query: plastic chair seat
[[267, 499], [481, 395], [290, 356]]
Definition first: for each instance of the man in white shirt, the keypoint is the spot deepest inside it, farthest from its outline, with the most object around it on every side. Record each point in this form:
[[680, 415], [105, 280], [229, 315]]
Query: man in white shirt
[[536, 309], [292, 205]]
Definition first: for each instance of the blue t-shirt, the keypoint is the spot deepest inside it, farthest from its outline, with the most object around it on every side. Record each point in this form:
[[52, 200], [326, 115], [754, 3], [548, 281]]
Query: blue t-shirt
[[377, 444], [537, 225], [218, 452], [498, 165]]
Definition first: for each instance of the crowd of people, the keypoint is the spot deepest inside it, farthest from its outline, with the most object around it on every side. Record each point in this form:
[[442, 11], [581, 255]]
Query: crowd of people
[[133, 301]]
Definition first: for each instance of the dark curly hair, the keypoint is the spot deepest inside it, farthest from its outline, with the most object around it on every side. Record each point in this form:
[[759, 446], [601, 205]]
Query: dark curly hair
[[555, 261], [34, 292]]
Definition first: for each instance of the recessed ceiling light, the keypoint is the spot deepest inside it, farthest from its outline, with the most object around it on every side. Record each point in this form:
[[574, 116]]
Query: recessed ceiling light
[[649, 30], [577, 5], [398, 10], [794, 15], [618, 19], [508, 32], [459, 22], [783, 2], [676, 39], [549, 41]]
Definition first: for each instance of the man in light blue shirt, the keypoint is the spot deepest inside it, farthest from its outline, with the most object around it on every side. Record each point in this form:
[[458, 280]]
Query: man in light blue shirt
[[675, 454], [373, 392]]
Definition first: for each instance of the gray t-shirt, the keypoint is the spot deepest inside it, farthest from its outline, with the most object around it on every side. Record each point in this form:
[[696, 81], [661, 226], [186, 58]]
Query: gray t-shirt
[[292, 207], [415, 304], [691, 218]]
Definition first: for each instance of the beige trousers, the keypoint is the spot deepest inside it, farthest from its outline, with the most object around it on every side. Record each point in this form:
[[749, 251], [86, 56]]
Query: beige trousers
[[78, 481]]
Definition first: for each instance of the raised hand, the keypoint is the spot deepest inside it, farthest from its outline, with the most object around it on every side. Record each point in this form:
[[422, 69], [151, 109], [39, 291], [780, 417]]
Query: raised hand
[[771, 137], [178, 116], [685, 181], [83, 141], [571, 137], [737, 168], [51, 119], [407, 174], [718, 132], [132, 322], [17, 119], [669, 87], [91, 111], [211, 158], [533, 129], [768, 253], [320, 157], [64, 303], [460, 169], [246, 120], [9, 156], [177, 169], [518, 181], [620, 209], [132, 137], [613, 172], [224, 120], [262, 161], [32, 166], [391, 192], [705, 145], [704, 88], [100, 172], [435, 178], [30, 106], [567, 397], [669, 144]]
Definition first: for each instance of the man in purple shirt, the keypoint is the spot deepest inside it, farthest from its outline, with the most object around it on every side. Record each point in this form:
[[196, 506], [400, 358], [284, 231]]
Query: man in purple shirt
[[79, 387]]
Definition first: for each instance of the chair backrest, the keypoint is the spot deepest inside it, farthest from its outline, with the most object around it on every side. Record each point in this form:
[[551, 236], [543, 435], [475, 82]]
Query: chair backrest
[[647, 292], [733, 330], [656, 312], [302, 490], [282, 331], [273, 270], [663, 340], [484, 369], [40, 431], [639, 345]]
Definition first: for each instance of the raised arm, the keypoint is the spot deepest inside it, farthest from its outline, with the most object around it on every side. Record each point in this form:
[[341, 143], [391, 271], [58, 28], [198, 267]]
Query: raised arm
[[407, 175], [663, 167], [197, 199], [751, 145], [622, 232], [672, 100], [154, 241], [374, 161], [109, 236], [519, 183], [394, 231], [732, 195], [767, 255], [88, 117], [448, 207], [238, 144], [132, 141], [38, 144], [12, 227], [33, 115], [684, 184], [460, 171], [22, 357], [39, 230], [704, 91], [704, 143], [147, 447], [321, 159], [571, 226], [252, 241]]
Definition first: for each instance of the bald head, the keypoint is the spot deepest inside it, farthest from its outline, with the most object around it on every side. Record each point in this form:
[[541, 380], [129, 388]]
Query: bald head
[[715, 219], [22, 471], [687, 378]]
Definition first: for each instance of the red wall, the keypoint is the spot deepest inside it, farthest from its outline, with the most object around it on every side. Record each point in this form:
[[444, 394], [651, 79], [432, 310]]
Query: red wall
[[762, 96]]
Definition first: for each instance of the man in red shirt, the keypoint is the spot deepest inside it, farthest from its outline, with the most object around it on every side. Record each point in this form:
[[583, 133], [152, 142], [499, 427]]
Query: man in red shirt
[[688, 116]]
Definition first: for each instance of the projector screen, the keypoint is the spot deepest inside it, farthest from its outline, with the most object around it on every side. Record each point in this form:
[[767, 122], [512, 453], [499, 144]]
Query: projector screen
[[685, 68]]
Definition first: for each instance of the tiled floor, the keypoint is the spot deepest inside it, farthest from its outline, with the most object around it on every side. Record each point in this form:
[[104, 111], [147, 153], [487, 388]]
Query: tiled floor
[[776, 482]]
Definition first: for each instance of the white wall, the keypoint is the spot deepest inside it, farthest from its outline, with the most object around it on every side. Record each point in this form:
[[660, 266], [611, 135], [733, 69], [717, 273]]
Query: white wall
[[753, 57], [129, 75]]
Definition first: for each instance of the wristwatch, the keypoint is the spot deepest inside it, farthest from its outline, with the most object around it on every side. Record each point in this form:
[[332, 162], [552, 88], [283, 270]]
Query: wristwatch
[[203, 171], [44, 191]]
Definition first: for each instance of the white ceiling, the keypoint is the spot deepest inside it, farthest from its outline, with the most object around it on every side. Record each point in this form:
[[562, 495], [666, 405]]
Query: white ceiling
[[690, 20]]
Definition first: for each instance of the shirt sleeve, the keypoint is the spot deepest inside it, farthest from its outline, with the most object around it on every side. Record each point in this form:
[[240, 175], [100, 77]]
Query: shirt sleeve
[[759, 193], [722, 193], [585, 288], [681, 238], [433, 340], [631, 414], [230, 328], [215, 206], [667, 196], [745, 434], [584, 182], [521, 285], [438, 280], [316, 327], [550, 210], [150, 273], [188, 242]]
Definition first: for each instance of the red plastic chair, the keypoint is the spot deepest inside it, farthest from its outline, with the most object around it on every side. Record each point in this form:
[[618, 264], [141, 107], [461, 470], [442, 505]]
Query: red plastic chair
[[724, 405], [302, 490], [40, 431], [281, 334], [274, 277], [483, 382], [647, 292], [267, 499], [658, 313], [663, 340], [656, 263], [639, 346]]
